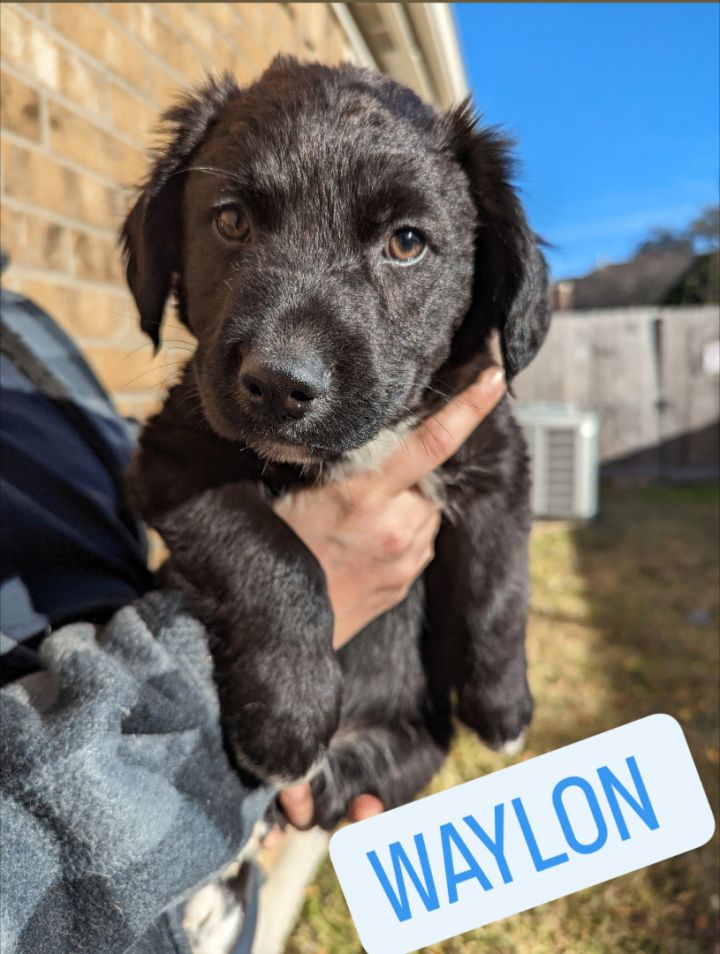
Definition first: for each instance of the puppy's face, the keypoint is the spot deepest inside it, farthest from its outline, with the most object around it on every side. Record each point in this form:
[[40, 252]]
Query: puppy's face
[[324, 247], [327, 260]]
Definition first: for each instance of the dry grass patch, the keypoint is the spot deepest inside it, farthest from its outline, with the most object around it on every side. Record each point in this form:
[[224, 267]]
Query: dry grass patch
[[624, 623]]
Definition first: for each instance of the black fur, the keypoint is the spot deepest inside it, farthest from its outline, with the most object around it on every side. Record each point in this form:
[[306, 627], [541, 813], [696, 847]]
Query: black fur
[[327, 163]]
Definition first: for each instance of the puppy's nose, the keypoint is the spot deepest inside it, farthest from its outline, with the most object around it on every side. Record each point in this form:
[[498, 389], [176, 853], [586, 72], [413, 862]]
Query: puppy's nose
[[283, 386]]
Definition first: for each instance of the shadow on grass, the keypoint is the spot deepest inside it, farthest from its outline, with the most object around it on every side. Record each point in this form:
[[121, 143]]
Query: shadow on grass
[[624, 623]]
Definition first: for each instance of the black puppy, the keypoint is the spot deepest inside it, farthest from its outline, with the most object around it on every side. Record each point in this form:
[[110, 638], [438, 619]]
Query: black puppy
[[343, 254]]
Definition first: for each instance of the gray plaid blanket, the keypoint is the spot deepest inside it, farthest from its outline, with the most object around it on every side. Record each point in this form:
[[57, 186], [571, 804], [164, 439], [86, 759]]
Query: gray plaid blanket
[[117, 797]]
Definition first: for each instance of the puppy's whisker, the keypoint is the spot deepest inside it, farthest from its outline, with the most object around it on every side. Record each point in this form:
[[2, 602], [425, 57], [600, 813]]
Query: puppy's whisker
[[401, 441], [440, 424], [157, 367], [210, 170], [446, 397], [419, 436], [169, 344]]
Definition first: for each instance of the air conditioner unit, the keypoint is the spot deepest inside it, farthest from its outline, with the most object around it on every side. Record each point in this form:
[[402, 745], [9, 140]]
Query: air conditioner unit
[[563, 445]]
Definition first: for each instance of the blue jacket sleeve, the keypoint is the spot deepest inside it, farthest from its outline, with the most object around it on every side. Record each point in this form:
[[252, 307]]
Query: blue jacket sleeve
[[117, 797]]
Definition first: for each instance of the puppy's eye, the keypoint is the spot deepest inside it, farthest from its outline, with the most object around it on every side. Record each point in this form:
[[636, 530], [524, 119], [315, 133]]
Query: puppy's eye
[[406, 245], [233, 224]]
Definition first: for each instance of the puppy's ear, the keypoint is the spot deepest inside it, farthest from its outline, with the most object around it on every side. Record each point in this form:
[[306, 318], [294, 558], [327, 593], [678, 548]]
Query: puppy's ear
[[511, 281], [152, 234]]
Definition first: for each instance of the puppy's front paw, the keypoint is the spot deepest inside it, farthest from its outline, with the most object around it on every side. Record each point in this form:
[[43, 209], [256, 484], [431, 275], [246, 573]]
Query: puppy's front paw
[[331, 798], [514, 746], [280, 729], [500, 719], [279, 751]]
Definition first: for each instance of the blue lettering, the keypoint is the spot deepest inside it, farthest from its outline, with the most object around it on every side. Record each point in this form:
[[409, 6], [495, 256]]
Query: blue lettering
[[496, 846], [425, 887], [541, 864], [448, 834], [561, 812], [643, 808]]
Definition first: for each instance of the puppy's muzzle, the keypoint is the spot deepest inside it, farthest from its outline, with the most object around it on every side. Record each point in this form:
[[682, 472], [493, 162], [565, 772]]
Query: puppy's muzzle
[[285, 386]]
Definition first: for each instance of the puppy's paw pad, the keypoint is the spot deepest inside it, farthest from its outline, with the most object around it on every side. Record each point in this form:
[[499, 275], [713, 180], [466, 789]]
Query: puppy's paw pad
[[514, 746]]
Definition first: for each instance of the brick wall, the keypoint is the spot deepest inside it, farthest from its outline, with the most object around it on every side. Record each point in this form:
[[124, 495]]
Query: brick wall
[[82, 86]]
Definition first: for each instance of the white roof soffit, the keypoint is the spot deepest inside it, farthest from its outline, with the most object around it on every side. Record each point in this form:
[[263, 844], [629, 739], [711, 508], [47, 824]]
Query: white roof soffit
[[435, 29], [415, 43], [362, 55]]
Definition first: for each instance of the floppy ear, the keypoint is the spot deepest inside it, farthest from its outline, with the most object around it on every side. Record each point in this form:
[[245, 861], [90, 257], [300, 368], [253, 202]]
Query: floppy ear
[[511, 281], [152, 234]]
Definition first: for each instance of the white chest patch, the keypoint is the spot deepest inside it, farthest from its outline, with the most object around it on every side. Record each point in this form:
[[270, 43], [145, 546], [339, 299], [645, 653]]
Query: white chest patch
[[369, 457]]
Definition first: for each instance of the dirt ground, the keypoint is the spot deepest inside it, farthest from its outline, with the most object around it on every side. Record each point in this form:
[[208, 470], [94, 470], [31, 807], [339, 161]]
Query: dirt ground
[[624, 623]]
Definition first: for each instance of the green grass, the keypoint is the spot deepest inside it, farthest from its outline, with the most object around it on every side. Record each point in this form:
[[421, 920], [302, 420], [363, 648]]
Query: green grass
[[610, 640]]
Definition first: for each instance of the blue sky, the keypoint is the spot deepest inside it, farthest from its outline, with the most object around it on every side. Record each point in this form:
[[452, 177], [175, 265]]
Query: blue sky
[[615, 109]]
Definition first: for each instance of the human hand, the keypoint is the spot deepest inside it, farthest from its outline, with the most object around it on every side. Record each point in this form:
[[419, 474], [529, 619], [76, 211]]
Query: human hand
[[373, 533], [297, 805]]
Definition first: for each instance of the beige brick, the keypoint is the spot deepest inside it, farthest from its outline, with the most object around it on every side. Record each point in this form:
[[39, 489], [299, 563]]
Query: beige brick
[[131, 371], [267, 40], [146, 24], [14, 36], [223, 17], [221, 59], [256, 57], [34, 178], [33, 241], [19, 107], [242, 70], [42, 60], [98, 204], [103, 314], [125, 14], [336, 48], [87, 313], [31, 49], [54, 298], [174, 336], [95, 33], [277, 33], [37, 9], [178, 51], [131, 115], [175, 51], [12, 280], [41, 181], [78, 139], [82, 84], [313, 22], [141, 405], [166, 89], [96, 258], [189, 22], [251, 14]]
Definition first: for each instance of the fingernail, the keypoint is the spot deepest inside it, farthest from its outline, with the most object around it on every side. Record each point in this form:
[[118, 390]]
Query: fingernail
[[494, 381]]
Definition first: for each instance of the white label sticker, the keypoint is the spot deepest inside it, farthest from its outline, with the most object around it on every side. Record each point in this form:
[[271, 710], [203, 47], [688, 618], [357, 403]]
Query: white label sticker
[[523, 836]]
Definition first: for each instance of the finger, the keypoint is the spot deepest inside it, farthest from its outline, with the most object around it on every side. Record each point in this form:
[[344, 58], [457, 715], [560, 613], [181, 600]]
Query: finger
[[272, 837], [422, 551], [409, 511], [365, 806], [440, 436], [432, 523], [297, 803]]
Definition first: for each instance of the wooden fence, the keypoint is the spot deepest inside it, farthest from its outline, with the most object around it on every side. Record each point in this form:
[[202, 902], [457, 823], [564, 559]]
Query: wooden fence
[[649, 373]]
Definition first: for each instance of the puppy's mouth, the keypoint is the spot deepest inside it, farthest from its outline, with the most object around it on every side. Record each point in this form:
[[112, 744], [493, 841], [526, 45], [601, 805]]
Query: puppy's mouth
[[286, 452]]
